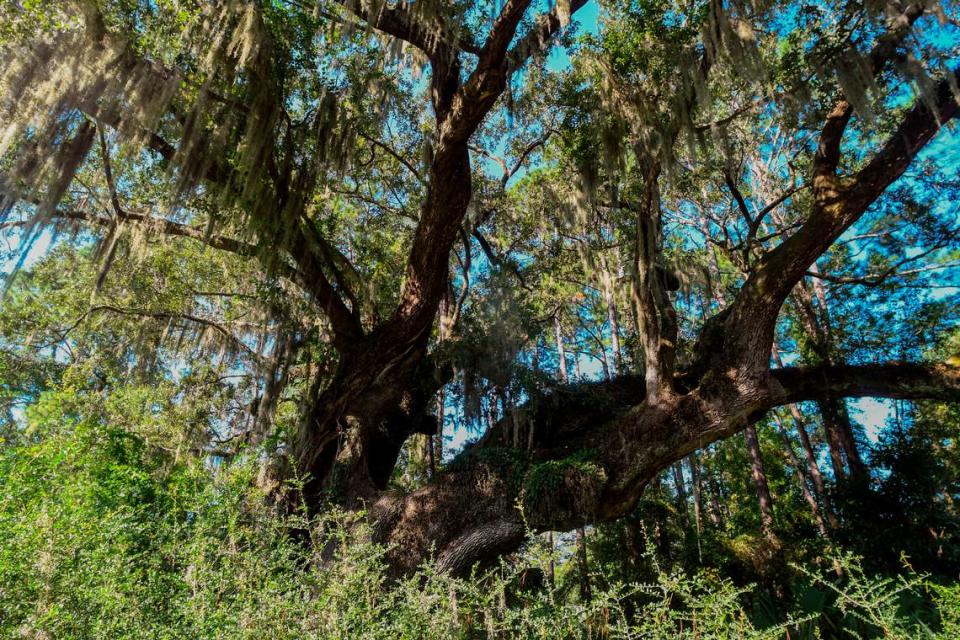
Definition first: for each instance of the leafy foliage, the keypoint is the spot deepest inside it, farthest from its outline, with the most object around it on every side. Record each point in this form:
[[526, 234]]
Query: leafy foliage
[[106, 535]]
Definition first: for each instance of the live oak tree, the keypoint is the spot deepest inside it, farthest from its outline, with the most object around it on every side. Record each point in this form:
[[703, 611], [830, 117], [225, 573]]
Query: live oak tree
[[369, 155]]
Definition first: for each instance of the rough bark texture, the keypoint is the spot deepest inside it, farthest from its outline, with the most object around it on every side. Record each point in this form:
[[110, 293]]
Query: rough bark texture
[[597, 445], [759, 477]]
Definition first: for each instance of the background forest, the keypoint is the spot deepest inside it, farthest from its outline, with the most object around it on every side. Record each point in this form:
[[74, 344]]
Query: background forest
[[479, 319]]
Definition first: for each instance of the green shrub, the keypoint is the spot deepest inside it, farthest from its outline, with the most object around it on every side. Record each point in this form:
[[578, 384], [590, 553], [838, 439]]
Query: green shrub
[[103, 535]]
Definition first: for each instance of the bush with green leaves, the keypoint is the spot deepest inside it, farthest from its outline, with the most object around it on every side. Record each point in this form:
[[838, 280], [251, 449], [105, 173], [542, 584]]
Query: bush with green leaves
[[106, 535]]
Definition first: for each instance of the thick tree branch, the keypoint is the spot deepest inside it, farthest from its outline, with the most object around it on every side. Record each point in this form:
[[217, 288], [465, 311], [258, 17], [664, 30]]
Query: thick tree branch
[[401, 23], [478, 94], [501, 34], [915, 131], [827, 157], [161, 226], [831, 214], [336, 262], [538, 38], [311, 279], [838, 204], [901, 380], [469, 514], [460, 109], [473, 100]]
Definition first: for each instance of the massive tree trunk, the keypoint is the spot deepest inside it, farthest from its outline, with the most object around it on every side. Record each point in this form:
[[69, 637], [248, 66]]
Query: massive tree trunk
[[381, 391], [351, 436], [355, 427]]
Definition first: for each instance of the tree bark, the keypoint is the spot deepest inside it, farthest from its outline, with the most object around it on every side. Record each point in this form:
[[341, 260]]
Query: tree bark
[[697, 487], [759, 477], [583, 566], [597, 447], [561, 352], [801, 477]]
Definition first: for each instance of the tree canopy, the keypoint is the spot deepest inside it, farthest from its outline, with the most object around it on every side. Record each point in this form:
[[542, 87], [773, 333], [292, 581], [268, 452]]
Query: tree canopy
[[484, 270]]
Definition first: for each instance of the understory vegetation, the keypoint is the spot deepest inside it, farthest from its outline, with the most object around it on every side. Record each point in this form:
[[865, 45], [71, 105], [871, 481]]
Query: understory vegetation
[[111, 534]]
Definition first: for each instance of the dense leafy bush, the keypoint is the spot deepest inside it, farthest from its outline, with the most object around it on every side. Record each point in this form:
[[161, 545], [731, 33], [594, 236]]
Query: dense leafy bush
[[106, 536]]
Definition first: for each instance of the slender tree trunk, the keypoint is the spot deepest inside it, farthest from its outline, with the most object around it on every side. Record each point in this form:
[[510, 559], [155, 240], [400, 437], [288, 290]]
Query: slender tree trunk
[[760, 481], [436, 442], [815, 476], [716, 492], [697, 489], [603, 362], [834, 445], [613, 319], [808, 453], [801, 477], [583, 567], [681, 487], [828, 411], [608, 287], [552, 564], [812, 309], [661, 534], [561, 353], [836, 419], [813, 467]]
